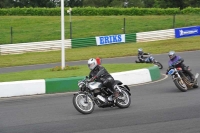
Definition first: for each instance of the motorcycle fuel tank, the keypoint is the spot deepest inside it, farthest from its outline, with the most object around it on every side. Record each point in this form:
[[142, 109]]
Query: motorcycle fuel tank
[[94, 85]]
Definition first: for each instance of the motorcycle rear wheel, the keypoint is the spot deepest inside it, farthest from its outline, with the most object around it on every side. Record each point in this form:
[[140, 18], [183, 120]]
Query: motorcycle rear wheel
[[180, 85], [137, 61], [196, 85], [79, 102]]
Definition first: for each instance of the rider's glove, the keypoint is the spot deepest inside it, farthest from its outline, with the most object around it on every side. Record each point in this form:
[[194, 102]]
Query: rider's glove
[[174, 64], [93, 78], [166, 73]]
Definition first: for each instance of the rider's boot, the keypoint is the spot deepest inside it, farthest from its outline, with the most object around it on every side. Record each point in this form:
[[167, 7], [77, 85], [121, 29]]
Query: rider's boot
[[115, 94], [192, 78], [191, 75]]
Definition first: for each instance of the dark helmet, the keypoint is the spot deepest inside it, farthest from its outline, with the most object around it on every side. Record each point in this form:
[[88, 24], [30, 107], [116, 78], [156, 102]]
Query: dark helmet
[[171, 55], [140, 51]]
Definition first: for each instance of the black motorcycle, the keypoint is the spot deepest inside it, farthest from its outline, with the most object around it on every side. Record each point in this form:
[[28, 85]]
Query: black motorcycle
[[181, 79], [91, 93], [151, 59]]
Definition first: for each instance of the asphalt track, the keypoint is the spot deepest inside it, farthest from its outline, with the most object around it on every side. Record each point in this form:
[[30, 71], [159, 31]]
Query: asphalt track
[[157, 107]]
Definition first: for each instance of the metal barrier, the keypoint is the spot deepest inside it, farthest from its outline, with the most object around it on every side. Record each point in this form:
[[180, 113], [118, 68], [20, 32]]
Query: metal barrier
[[82, 42], [155, 35], [20, 48]]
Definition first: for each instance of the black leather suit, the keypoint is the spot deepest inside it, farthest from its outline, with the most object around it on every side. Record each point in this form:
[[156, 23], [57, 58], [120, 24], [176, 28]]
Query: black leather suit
[[141, 58], [101, 75]]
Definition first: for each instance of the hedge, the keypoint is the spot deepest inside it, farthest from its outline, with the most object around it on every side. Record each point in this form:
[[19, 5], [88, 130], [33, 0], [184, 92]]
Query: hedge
[[92, 11]]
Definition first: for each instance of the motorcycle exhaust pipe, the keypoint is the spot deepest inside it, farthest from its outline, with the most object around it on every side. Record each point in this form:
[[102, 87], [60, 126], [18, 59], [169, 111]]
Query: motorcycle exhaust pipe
[[101, 98], [197, 75]]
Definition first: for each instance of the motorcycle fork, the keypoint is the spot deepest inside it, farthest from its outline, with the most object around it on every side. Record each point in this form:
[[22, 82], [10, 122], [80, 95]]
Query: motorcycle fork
[[117, 88], [179, 77], [86, 99]]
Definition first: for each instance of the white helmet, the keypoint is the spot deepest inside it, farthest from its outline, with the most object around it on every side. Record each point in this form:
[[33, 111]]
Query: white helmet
[[171, 54], [92, 63], [140, 50]]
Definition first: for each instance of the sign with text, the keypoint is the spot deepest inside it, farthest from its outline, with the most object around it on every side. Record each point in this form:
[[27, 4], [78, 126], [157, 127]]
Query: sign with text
[[103, 40], [187, 31]]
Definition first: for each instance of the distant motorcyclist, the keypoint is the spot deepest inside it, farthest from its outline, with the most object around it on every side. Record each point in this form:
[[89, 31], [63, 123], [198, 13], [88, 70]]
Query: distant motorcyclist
[[141, 58], [177, 61], [100, 74]]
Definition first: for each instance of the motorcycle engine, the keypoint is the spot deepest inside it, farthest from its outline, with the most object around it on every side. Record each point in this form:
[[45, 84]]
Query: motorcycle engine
[[96, 91]]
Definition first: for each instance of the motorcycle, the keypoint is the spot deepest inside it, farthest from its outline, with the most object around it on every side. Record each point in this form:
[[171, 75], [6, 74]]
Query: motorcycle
[[91, 93], [151, 59], [181, 79]]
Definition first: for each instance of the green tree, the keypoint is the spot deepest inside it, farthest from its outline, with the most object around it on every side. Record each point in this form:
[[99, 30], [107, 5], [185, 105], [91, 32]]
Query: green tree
[[149, 3], [135, 3], [6, 3], [117, 3], [97, 3], [192, 3]]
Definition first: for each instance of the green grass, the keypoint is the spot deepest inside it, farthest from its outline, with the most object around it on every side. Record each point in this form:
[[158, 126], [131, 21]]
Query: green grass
[[107, 51], [36, 28], [82, 71], [45, 28]]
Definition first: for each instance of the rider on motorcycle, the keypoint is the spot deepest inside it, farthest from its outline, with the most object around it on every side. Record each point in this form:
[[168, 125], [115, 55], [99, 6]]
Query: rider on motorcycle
[[100, 74], [141, 58], [177, 61]]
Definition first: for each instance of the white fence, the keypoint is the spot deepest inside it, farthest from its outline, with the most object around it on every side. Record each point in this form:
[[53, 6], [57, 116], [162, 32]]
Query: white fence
[[155, 35], [20, 48]]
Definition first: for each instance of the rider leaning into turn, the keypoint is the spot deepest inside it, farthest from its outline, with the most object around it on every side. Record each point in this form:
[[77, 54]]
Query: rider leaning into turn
[[177, 61], [100, 74], [141, 58]]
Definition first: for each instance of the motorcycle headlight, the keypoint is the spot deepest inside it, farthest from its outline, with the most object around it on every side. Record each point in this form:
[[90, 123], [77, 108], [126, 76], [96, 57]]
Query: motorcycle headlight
[[82, 86]]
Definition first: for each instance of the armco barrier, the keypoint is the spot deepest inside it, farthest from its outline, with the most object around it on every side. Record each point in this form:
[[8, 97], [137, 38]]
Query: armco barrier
[[59, 85], [44, 46], [155, 35], [83, 42], [91, 41], [130, 37]]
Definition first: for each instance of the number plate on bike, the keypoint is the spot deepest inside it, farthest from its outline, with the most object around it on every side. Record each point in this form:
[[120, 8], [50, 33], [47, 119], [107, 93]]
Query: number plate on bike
[[171, 72]]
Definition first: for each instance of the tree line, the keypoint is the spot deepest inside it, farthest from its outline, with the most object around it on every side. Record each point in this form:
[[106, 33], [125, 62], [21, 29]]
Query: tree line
[[101, 3]]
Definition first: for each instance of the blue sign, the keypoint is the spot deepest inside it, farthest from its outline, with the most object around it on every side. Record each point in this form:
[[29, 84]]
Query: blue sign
[[187, 31]]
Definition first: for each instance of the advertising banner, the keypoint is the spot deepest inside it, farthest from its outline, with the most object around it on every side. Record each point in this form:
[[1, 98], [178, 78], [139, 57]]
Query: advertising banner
[[187, 31], [103, 40]]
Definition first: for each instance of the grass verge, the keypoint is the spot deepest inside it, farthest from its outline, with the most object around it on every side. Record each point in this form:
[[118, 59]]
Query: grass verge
[[107, 51], [81, 71], [45, 28]]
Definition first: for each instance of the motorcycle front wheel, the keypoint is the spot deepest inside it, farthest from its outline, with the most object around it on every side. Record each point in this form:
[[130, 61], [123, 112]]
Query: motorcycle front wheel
[[81, 105], [124, 99], [160, 66], [180, 85]]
